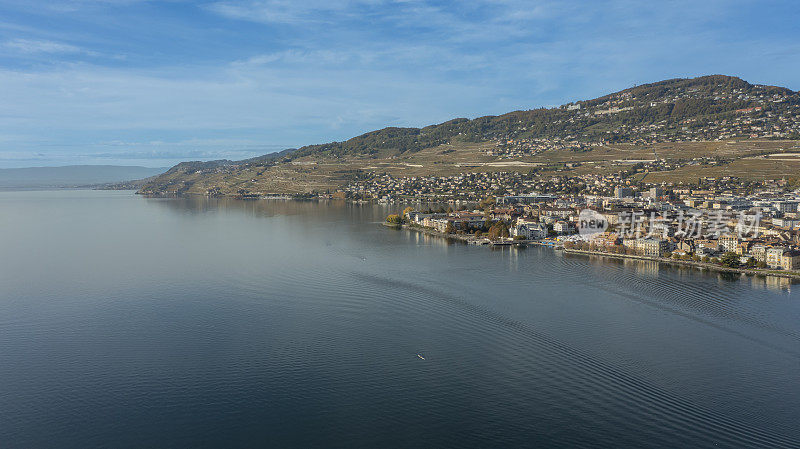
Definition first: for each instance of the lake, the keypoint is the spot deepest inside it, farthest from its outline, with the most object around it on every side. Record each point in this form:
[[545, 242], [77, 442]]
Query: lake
[[140, 322]]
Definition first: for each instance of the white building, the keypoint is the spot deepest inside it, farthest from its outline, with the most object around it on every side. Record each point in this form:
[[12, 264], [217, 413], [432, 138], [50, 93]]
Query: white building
[[564, 227], [529, 229]]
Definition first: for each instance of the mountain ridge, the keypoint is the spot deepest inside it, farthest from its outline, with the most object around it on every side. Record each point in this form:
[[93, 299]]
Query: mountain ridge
[[706, 108]]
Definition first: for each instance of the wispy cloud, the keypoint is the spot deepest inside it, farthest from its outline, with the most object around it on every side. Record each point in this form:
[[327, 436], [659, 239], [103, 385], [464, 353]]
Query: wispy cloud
[[32, 46], [289, 11]]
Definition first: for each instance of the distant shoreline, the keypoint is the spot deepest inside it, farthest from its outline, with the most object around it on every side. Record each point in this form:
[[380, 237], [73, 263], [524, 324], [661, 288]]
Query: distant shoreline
[[57, 188]]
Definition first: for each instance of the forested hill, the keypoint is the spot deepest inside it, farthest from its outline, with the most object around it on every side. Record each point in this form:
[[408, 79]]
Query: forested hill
[[651, 112]]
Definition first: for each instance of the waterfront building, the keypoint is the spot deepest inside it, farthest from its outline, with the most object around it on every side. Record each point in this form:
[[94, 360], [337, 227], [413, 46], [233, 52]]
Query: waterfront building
[[790, 260], [529, 229], [650, 247], [774, 256]]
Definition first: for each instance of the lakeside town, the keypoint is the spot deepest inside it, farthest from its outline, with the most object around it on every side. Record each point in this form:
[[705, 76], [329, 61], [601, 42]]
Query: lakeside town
[[716, 225]]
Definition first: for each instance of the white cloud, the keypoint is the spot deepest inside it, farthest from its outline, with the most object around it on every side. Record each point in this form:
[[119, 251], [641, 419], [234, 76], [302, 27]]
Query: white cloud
[[285, 11], [32, 46]]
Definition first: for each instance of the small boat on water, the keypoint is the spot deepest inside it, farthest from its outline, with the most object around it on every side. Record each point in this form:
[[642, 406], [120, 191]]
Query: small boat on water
[[420, 356]]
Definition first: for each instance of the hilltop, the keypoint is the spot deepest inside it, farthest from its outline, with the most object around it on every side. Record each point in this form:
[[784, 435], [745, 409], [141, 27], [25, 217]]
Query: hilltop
[[710, 116]]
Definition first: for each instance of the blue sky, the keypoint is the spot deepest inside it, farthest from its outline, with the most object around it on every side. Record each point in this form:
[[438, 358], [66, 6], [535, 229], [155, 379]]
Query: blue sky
[[152, 83]]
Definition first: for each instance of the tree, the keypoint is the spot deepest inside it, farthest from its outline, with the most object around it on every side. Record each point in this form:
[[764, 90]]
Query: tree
[[394, 219], [407, 210], [730, 260], [498, 230], [486, 203], [449, 229]]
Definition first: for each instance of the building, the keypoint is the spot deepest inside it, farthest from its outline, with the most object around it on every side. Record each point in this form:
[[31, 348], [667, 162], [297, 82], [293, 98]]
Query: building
[[612, 218], [786, 222], [774, 256], [440, 224], [648, 247], [556, 212], [529, 229], [503, 214], [424, 219], [564, 227], [687, 246], [606, 239], [662, 229], [745, 247], [525, 199], [653, 247], [786, 206], [656, 192], [468, 220], [790, 260], [759, 252], [623, 192], [728, 243]]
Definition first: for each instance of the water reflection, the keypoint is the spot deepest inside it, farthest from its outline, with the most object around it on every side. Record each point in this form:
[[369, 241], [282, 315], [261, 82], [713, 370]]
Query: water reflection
[[774, 283]]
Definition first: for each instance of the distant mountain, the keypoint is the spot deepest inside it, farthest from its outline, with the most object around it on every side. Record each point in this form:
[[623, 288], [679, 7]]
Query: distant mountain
[[221, 163], [72, 176]]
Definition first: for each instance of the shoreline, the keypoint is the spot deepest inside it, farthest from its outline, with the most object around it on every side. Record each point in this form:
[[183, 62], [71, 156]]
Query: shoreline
[[465, 238], [700, 266], [688, 263]]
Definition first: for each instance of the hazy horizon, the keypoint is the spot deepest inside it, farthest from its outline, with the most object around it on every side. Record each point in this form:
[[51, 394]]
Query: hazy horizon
[[73, 175]]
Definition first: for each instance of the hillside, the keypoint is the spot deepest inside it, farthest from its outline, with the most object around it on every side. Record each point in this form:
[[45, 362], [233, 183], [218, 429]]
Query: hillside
[[708, 116]]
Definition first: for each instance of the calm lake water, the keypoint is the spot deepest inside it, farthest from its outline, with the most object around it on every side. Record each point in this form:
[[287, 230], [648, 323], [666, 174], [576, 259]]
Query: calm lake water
[[136, 322]]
